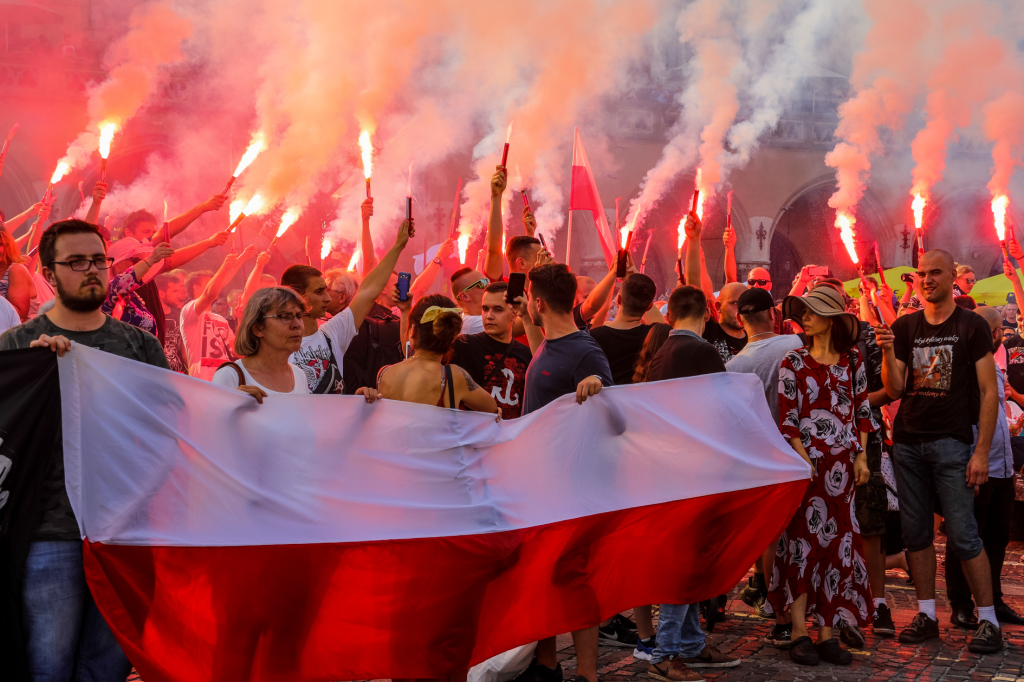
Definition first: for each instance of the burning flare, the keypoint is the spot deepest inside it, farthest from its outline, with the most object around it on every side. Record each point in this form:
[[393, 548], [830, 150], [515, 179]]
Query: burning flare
[[255, 147], [463, 247], [235, 209], [844, 222], [107, 131], [701, 195], [325, 248], [367, 148], [60, 172], [999, 205], [254, 205], [355, 259], [918, 207], [287, 220], [682, 233], [624, 235]]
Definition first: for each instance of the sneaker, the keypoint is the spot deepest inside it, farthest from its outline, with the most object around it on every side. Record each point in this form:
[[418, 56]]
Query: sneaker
[[540, 673], [712, 658], [920, 629], [626, 622], [673, 670], [617, 634], [644, 649], [988, 639], [830, 652], [882, 624], [851, 636], [780, 636]]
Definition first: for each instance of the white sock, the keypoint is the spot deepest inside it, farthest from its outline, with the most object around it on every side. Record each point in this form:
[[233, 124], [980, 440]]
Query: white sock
[[927, 607], [988, 613], [879, 601]]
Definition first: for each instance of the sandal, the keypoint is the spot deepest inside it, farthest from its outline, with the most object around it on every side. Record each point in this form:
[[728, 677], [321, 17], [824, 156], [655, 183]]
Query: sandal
[[802, 651]]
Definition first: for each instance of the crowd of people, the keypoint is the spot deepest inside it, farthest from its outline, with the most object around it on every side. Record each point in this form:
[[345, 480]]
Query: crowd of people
[[902, 409]]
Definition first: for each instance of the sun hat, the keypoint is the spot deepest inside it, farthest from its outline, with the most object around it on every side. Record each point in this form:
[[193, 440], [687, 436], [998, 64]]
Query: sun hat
[[824, 301]]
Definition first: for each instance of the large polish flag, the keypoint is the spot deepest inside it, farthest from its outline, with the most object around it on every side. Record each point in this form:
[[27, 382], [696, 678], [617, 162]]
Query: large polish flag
[[322, 538], [583, 196]]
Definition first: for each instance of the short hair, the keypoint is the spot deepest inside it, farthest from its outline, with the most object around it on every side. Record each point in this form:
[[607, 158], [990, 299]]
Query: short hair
[[136, 217], [165, 278], [233, 296], [761, 317], [966, 301], [496, 288], [193, 279], [297, 277], [267, 277], [339, 279], [555, 285], [638, 292], [832, 282], [48, 242], [686, 303], [518, 246], [437, 335], [262, 303]]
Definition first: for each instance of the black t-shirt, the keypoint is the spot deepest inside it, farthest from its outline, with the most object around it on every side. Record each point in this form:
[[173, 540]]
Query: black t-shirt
[[577, 317], [621, 347], [727, 346], [560, 365], [941, 398], [684, 354], [499, 367], [871, 355], [1015, 362]]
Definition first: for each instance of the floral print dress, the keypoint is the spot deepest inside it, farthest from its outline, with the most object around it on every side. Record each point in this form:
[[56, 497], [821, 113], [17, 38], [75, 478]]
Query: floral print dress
[[821, 553], [122, 289]]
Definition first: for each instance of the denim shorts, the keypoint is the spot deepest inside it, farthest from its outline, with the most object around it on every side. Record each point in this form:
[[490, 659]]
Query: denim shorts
[[924, 470]]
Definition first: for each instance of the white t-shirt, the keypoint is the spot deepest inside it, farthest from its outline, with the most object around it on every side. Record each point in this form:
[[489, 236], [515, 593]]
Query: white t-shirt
[[314, 358], [209, 341], [472, 324], [8, 315], [228, 378]]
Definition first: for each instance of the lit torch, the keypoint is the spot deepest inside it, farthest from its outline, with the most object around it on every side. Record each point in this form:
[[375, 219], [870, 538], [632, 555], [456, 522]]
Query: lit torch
[[254, 205], [508, 138], [845, 221], [355, 259], [455, 210], [60, 172], [106, 137], [463, 248], [287, 220], [7, 143], [918, 207], [325, 248], [255, 147], [999, 205], [643, 261], [408, 197], [367, 151], [698, 198]]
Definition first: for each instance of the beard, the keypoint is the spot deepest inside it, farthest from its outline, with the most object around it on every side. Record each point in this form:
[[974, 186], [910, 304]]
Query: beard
[[82, 302]]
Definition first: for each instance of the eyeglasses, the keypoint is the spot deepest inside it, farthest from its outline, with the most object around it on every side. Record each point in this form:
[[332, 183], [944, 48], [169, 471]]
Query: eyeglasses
[[82, 264], [479, 284], [288, 318], [758, 282]]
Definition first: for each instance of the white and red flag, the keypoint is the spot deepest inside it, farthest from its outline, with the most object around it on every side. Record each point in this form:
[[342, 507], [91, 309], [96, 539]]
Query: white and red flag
[[323, 538], [583, 196]]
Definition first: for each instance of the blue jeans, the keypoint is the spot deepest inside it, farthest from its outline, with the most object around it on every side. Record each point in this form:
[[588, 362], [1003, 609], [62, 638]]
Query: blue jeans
[[64, 630], [679, 632], [921, 471]]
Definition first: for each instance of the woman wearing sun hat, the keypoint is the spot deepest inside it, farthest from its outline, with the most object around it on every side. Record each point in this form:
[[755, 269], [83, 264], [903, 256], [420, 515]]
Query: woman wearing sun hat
[[825, 415]]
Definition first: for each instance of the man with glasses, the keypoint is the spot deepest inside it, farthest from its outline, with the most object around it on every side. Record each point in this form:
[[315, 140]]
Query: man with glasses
[[323, 344], [63, 629], [468, 291], [760, 278]]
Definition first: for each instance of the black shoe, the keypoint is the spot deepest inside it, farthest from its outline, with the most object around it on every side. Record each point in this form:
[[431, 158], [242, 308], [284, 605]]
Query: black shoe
[[540, 673], [964, 618], [580, 678], [830, 652], [987, 640], [851, 636], [803, 652], [1008, 616], [882, 624], [780, 636], [617, 634], [920, 629]]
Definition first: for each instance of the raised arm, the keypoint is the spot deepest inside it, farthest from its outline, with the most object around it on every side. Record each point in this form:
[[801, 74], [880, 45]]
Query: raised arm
[[178, 224], [422, 284], [693, 258], [494, 262], [99, 193], [1011, 275], [369, 256], [601, 295], [252, 284], [729, 239], [161, 252], [193, 251], [15, 222], [225, 272], [375, 280]]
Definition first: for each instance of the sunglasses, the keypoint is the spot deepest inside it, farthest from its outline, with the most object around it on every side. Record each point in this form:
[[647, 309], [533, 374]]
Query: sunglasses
[[758, 282], [970, 281], [479, 284]]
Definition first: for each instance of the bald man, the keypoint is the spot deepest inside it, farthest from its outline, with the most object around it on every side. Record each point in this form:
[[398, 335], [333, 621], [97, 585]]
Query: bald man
[[727, 335], [942, 435], [760, 278]]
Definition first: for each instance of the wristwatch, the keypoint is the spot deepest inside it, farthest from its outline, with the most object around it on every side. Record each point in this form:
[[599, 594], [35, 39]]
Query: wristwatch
[[436, 261]]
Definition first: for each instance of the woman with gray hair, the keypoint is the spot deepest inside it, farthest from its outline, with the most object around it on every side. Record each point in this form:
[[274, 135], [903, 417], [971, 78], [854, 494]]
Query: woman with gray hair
[[268, 333]]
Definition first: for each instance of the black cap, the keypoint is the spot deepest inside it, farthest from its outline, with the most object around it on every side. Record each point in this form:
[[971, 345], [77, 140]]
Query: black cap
[[754, 300]]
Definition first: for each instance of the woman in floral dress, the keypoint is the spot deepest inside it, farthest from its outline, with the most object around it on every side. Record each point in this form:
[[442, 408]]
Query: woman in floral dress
[[825, 415]]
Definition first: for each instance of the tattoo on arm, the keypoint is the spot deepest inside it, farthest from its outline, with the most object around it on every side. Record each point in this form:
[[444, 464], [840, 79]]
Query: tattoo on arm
[[470, 384]]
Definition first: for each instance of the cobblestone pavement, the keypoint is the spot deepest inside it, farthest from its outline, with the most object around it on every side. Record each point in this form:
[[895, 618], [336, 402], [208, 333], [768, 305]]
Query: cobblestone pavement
[[880, 659]]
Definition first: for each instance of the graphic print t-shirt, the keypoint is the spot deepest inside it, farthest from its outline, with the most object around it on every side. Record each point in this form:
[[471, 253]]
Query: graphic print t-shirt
[[941, 398], [726, 345], [499, 367], [209, 341], [315, 358], [1015, 362]]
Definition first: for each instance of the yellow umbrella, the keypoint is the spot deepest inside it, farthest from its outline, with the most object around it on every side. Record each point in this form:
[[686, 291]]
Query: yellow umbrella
[[992, 290], [892, 278]]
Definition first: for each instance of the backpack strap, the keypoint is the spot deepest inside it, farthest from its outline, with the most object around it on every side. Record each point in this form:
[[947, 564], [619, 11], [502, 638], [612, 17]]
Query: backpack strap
[[451, 387], [238, 370]]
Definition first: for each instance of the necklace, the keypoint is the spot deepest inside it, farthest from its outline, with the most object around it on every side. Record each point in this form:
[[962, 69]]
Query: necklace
[[761, 334]]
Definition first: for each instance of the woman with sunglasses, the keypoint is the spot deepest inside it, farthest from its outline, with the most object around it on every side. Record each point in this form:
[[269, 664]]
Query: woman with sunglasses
[[965, 281], [269, 332]]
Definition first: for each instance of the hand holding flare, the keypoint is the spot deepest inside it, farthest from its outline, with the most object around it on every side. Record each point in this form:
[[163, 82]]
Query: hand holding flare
[[366, 149], [255, 147], [107, 131], [254, 205]]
